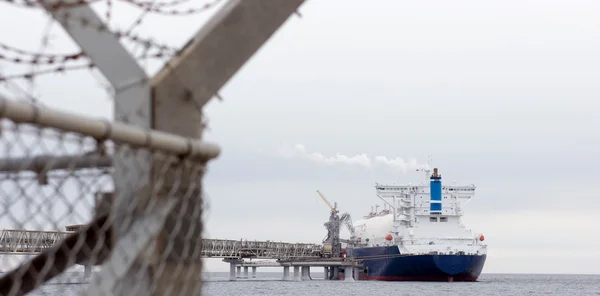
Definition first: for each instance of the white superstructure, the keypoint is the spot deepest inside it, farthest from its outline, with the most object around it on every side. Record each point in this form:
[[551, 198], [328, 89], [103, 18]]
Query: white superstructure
[[415, 222]]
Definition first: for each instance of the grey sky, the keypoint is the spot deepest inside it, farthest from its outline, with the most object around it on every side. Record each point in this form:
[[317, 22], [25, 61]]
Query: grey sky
[[503, 94]]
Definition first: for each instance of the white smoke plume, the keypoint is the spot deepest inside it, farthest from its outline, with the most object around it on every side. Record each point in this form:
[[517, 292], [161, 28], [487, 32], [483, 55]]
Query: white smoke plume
[[361, 160]]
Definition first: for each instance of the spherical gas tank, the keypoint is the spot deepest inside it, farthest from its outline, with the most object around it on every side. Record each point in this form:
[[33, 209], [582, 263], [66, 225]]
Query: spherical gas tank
[[374, 227], [388, 237]]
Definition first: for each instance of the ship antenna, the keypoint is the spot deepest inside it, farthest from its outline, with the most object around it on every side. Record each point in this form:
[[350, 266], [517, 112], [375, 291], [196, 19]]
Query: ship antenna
[[428, 168]]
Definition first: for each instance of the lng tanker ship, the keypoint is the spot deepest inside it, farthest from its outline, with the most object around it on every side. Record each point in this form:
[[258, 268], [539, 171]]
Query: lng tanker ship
[[420, 237]]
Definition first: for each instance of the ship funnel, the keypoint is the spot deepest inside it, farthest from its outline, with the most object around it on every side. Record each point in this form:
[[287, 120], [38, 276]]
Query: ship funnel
[[435, 191]]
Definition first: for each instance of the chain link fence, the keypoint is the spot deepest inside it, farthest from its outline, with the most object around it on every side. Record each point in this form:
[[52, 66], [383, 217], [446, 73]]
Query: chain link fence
[[113, 205], [60, 203], [116, 205]]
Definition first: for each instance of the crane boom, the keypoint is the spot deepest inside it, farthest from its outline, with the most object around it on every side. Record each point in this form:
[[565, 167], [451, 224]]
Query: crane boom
[[347, 220], [325, 200]]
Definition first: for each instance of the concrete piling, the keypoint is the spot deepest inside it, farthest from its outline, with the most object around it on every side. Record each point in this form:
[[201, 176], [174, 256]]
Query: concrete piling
[[302, 272], [286, 273], [232, 271], [348, 274], [297, 276], [87, 271], [305, 273]]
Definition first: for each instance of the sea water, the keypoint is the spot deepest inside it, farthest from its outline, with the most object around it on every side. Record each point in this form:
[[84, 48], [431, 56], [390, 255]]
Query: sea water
[[270, 283]]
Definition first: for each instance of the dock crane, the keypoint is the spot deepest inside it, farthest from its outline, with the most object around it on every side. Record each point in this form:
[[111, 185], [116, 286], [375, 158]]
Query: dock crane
[[333, 229], [333, 208]]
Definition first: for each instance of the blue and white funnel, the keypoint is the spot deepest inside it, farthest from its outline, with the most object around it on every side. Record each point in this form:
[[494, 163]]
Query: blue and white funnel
[[435, 190]]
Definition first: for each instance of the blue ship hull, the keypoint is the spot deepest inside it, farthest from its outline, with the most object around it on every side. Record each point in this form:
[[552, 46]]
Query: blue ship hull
[[387, 264]]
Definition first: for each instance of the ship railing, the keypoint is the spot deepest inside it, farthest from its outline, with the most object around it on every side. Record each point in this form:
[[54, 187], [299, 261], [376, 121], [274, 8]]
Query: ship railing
[[444, 253]]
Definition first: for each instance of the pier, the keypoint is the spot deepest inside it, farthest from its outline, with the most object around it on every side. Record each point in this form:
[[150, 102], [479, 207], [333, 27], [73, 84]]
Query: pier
[[237, 253], [301, 268]]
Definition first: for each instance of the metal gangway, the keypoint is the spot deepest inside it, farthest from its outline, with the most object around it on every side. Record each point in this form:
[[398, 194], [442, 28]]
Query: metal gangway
[[27, 242]]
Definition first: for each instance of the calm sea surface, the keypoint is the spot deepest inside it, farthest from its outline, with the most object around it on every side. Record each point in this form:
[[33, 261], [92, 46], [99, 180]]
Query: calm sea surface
[[268, 283]]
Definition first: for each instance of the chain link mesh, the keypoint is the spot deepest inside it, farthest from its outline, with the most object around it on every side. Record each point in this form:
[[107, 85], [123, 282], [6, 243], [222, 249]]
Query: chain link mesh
[[120, 219], [132, 215], [59, 211]]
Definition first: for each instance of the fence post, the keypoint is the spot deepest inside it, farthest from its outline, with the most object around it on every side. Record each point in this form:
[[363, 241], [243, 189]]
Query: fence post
[[182, 87], [132, 104], [170, 262]]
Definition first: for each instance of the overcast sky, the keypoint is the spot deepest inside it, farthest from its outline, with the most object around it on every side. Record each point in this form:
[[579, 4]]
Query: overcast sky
[[502, 94]]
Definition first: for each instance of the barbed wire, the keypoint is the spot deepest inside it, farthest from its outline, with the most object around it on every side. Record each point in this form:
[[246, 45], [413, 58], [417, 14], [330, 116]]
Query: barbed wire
[[9, 48], [63, 62], [57, 4], [159, 7], [58, 69], [38, 59]]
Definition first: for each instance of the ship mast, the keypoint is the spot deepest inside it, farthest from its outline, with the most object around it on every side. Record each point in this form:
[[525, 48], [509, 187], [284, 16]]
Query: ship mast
[[427, 170]]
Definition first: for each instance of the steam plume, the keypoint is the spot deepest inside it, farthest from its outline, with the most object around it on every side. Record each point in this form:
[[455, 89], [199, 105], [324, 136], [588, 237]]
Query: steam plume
[[396, 164]]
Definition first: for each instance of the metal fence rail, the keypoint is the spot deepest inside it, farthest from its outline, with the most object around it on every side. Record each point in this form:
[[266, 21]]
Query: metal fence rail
[[22, 112]]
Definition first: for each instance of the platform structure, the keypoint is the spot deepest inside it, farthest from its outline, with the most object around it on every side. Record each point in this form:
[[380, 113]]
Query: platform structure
[[27, 242], [31, 242], [299, 256], [234, 249], [301, 266]]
